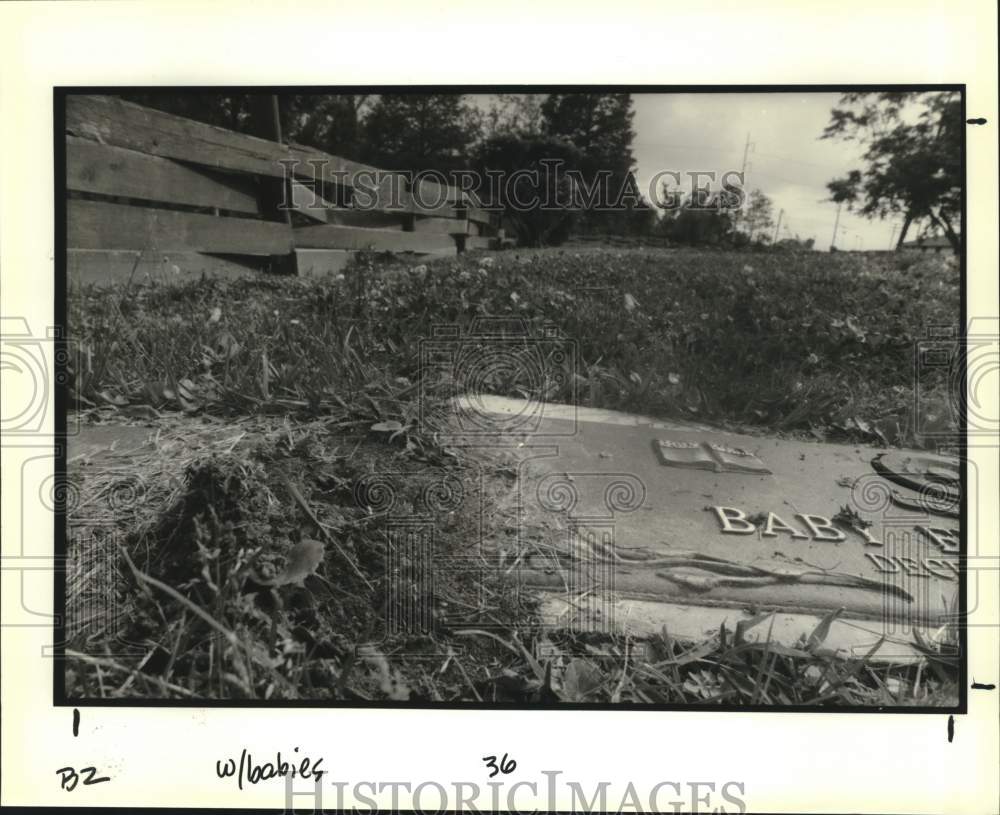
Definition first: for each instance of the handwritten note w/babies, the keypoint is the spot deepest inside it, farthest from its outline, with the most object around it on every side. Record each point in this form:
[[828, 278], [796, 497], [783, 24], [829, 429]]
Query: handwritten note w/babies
[[250, 772]]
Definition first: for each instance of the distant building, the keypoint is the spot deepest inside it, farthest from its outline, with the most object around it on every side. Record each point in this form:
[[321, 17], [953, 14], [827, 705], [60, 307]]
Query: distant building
[[938, 243]]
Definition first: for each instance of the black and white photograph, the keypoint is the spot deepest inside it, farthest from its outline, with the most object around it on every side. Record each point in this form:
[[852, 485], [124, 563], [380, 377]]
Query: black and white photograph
[[546, 407], [518, 397]]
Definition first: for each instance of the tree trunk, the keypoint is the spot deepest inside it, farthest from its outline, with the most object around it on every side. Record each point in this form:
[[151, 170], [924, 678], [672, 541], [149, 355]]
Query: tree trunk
[[902, 232], [953, 238]]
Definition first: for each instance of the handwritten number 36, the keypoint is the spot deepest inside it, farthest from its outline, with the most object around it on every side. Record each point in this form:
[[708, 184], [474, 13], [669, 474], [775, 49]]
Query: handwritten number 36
[[506, 765]]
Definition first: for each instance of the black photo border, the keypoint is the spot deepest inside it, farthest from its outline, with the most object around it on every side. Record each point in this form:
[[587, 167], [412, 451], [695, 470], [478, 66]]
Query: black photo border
[[61, 393]]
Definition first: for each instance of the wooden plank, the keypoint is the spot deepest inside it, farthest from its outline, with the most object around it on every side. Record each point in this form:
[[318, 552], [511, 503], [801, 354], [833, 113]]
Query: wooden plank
[[353, 237], [433, 193], [444, 251], [441, 226], [101, 267], [332, 169], [321, 262], [314, 206], [482, 216], [113, 121], [388, 192], [474, 242], [376, 190], [368, 219], [98, 225], [309, 203], [108, 170]]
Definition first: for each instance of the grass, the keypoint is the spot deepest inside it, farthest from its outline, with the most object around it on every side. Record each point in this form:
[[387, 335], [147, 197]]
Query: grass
[[276, 398], [793, 342]]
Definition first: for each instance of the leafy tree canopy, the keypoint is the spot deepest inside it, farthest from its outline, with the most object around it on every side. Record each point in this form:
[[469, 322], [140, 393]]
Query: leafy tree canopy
[[420, 131], [759, 218], [330, 122], [913, 149], [537, 200], [598, 124]]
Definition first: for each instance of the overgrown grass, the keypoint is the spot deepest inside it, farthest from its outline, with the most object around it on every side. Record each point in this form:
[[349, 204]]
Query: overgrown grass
[[204, 545], [803, 341], [330, 374]]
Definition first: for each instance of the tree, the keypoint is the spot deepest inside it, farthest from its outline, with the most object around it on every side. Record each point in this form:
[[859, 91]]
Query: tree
[[329, 122], [694, 226], [641, 219], [599, 125], [759, 217], [231, 111], [420, 131], [913, 153], [537, 197], [514, 114]]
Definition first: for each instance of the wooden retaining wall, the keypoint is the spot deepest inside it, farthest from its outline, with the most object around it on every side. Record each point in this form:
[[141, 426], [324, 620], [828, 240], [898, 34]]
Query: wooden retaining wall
[[157, 196]]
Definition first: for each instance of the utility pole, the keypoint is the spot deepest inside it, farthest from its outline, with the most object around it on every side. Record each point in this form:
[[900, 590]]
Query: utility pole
[[892, 236], [836, 223], [781, 214], [747, 147], [746, 150]]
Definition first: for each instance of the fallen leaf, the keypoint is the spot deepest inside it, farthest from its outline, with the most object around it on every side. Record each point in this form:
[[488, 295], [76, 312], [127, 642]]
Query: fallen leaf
[[390, 681], [390, 426], [303, 560], [580, 679], [112, 399], [140, 412], [227, 346]]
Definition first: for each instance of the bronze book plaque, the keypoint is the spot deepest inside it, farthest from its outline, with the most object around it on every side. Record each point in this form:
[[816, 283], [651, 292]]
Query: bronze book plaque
[[708, 456]]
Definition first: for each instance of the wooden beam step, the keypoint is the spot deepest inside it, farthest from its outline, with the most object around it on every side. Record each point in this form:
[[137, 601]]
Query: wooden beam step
[[357, 238], [99, 225], [441, 226]]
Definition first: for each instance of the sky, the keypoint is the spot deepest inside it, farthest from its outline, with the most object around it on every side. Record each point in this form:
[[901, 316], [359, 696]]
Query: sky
[[787, 160]]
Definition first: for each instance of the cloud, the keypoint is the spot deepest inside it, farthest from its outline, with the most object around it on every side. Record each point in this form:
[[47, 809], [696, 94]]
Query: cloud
[[787, 159]]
